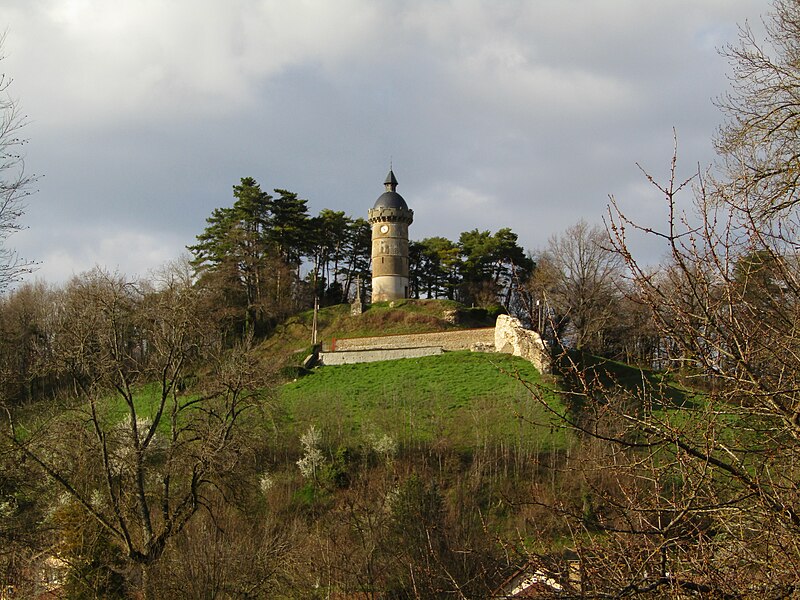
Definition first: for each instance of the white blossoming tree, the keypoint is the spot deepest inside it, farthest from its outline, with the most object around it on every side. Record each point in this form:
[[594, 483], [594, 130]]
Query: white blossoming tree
[[313, 459]]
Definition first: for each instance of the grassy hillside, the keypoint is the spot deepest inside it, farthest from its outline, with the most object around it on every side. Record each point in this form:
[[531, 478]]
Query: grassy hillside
[[464, 399]]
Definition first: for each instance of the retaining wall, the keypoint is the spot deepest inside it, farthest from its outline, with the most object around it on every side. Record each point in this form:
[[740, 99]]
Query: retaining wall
[[363, 356], [461, 339]]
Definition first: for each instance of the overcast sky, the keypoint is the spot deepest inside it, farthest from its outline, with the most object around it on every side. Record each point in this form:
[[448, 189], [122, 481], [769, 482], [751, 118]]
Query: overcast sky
[[496, 113]]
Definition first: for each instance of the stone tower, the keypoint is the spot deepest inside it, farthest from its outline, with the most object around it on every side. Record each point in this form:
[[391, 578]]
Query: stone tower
[[390, 218]]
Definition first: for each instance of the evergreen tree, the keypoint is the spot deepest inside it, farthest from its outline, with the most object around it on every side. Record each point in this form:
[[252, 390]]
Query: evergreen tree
[[243, 254], [289, 226], [357, 261], [492, 266], [330, 235], [434, 267]]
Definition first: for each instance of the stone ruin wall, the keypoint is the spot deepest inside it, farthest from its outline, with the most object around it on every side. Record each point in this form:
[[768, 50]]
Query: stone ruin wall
[[508, 336], [462, 339], [352, 357]]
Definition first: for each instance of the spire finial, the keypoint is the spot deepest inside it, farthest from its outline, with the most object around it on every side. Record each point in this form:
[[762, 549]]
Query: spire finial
[[391, 180]]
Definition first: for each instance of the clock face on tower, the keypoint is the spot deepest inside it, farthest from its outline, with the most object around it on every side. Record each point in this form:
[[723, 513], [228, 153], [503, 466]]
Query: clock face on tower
[[384, 228]]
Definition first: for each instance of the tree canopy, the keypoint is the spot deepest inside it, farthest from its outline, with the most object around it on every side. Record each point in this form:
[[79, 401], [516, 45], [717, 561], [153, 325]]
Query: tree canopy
[[265, 256]]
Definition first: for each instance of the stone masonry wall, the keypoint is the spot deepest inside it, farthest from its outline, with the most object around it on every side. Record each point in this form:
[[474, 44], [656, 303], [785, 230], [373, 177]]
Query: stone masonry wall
[[462, 339], [351, 357]]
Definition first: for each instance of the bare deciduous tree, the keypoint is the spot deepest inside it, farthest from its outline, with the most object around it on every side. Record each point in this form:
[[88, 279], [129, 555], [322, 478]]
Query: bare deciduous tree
[[584, 280], [133, 449], [14, 181], [759, 145], [696, 492]]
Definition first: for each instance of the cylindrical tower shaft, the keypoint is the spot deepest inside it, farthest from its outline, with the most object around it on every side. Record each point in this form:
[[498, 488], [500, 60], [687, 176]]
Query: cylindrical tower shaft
[[390, 218]]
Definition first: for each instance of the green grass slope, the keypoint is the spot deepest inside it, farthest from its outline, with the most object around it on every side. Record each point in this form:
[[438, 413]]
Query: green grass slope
[[464, 399]]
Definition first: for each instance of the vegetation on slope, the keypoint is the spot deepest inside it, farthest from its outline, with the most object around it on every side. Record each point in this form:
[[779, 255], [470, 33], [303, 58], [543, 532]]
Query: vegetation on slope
[[469, 399]]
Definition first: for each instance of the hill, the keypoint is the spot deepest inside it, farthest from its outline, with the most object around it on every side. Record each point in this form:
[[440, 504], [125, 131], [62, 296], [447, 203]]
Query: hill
[[464, 400], [461, 399]]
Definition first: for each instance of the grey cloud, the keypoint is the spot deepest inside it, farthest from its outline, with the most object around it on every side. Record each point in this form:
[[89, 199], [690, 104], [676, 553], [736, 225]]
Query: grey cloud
[[495, 113]]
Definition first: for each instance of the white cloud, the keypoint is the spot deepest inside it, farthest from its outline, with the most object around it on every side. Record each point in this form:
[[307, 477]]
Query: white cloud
[[133, 253], [155, 60]]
